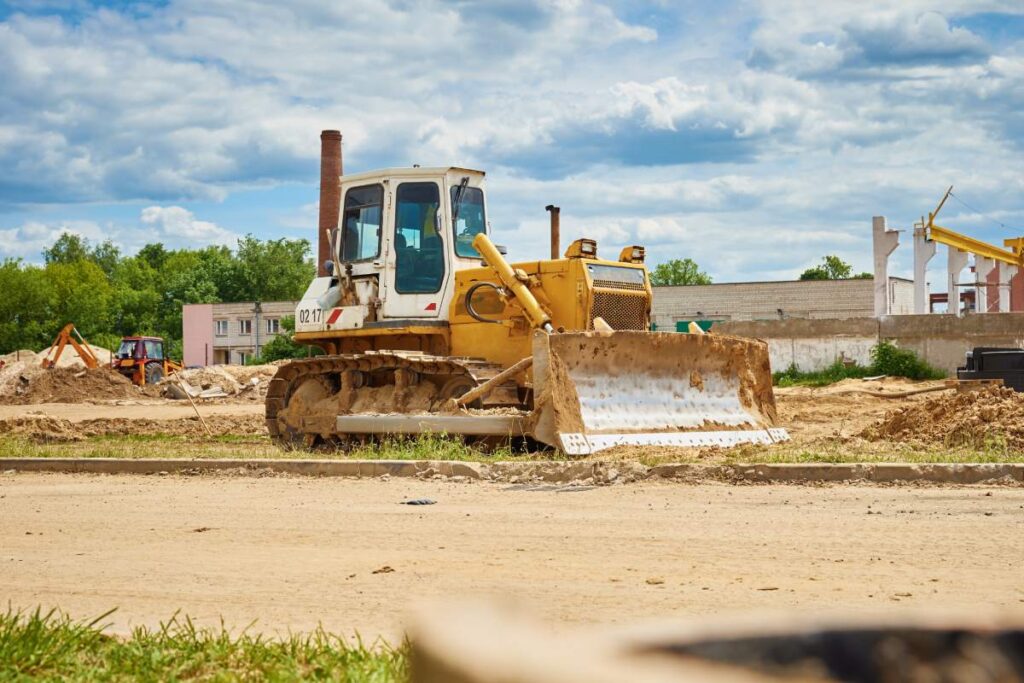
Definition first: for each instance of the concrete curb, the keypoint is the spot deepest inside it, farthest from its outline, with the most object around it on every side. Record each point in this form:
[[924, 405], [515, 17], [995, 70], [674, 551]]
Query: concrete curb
[[584, 472]]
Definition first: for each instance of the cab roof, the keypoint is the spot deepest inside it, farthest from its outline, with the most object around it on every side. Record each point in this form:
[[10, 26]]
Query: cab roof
[[410, 172]]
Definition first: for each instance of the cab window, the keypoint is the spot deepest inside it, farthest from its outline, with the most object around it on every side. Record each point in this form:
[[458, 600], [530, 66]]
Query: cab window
[[419, 252], [360, 224], [469, 219], [154, 350]]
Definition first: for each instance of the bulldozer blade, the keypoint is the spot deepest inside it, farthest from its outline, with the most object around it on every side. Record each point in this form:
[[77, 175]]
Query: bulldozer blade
[[596, 390]]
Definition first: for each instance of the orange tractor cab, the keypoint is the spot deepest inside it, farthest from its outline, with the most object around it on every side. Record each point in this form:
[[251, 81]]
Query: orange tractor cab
[[142, 360]]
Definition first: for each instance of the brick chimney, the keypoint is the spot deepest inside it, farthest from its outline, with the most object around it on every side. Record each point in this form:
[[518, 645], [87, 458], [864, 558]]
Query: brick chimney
[[330, 195]]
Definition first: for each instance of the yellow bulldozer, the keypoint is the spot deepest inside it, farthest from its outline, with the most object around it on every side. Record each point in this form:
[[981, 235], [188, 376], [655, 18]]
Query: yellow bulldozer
[[427, 328]]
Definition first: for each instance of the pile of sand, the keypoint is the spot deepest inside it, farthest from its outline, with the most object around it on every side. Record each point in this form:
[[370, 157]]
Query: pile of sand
[[24, 383], [69, 358], [974, 418]]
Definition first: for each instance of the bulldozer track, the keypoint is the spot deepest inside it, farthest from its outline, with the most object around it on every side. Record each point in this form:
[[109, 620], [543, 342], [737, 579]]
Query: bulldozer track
[[331, 368]]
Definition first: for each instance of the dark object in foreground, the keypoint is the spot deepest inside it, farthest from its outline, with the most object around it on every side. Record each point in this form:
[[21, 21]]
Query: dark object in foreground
[[467, 643], [419, 501], [985, 362]]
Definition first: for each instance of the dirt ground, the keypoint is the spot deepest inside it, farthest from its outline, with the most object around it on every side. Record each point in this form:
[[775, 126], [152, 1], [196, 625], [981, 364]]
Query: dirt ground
[[809, 414], [841, 409], [294, 552], [133, 410]]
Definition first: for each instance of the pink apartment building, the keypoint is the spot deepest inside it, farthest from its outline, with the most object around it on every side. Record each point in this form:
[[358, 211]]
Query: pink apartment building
[[230, 333]]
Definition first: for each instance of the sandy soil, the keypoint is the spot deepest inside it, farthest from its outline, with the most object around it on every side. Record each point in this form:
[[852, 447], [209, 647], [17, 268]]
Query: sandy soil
[[294, 552], [151, 410], [808, 413], [840, 409]]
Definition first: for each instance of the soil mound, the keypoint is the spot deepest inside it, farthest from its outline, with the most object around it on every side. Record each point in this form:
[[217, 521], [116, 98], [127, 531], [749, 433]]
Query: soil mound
[[40, 428], [994, 416], [21, 384], [45, 428]]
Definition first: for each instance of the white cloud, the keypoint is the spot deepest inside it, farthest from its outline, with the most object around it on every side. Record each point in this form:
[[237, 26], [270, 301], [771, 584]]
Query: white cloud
[[28, 240], [174, 225], [758, 137]]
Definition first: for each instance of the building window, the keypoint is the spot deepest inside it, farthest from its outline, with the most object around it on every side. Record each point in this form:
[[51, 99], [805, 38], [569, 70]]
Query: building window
[[243, 357], [245, 326], [221, 328], [273, 326]]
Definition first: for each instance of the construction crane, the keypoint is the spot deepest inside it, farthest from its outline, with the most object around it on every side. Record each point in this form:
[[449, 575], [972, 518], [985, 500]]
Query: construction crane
[[427, 328]]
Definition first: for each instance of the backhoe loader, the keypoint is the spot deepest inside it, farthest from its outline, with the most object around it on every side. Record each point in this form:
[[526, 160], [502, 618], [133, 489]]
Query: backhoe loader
[[427, 328]]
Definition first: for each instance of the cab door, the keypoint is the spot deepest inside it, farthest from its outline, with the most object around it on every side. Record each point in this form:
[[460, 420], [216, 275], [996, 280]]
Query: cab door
[[418, 271]]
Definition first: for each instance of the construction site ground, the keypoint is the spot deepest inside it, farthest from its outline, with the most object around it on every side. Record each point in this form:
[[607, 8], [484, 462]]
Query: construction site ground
[[293, 552], [826, 424]]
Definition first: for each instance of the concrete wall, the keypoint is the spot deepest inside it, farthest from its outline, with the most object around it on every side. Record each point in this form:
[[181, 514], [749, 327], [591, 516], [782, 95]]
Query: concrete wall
[[197, 334], [814, 299], [942, 340]]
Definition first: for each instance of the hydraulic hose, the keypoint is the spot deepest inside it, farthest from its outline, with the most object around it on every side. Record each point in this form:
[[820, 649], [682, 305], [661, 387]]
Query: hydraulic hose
[[492, 257]]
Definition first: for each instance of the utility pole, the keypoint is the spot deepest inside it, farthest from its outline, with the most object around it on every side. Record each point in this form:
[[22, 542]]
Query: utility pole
[[258, 310]]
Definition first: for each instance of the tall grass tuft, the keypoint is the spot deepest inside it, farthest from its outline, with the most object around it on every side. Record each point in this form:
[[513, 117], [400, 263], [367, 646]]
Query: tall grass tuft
[[50, 645]]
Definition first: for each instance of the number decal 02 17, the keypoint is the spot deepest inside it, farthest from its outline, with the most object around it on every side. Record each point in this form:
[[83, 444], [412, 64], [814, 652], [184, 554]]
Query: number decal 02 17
[[311, 316]]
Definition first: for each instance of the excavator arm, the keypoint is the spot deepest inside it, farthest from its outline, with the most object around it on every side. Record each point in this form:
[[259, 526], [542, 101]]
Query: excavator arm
[[69, 335]]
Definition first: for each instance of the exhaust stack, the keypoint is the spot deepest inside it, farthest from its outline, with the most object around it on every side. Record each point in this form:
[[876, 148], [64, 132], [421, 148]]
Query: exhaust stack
[[556, 237], [330, 195]]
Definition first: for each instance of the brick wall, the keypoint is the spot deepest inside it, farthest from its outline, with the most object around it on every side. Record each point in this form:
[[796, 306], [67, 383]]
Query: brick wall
[[816, 299]]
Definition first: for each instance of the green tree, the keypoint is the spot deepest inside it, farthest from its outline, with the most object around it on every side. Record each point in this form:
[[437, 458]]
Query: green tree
[[831, 268], [282, 347], [26, 308], [679, 272], [83, 295], [67, 248], [136, 298], [153, 254], [271, 270], [106, 255]]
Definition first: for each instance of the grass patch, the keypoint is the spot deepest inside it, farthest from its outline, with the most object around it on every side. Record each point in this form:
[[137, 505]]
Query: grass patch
[[839, 451], [838, 371], [422, 447], [886, 359], [437, 447], [52, 646]]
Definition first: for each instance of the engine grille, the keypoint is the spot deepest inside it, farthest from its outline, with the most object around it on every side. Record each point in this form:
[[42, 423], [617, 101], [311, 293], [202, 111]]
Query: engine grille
[[618, 284], [621, 311]]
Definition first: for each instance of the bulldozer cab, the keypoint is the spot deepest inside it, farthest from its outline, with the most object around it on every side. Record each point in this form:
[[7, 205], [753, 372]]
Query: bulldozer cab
[[402, 235]]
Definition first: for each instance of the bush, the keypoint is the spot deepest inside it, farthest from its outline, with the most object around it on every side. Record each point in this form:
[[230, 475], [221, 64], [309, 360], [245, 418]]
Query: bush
[[282, 347], [886, 359], [889, 359], [838, 371]]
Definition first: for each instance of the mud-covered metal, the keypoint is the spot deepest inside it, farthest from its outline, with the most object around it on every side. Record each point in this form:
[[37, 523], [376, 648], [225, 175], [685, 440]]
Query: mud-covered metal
[[597, 390]]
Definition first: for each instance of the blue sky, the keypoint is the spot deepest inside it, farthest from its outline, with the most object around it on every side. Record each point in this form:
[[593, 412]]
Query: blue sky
[[754, 137]]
